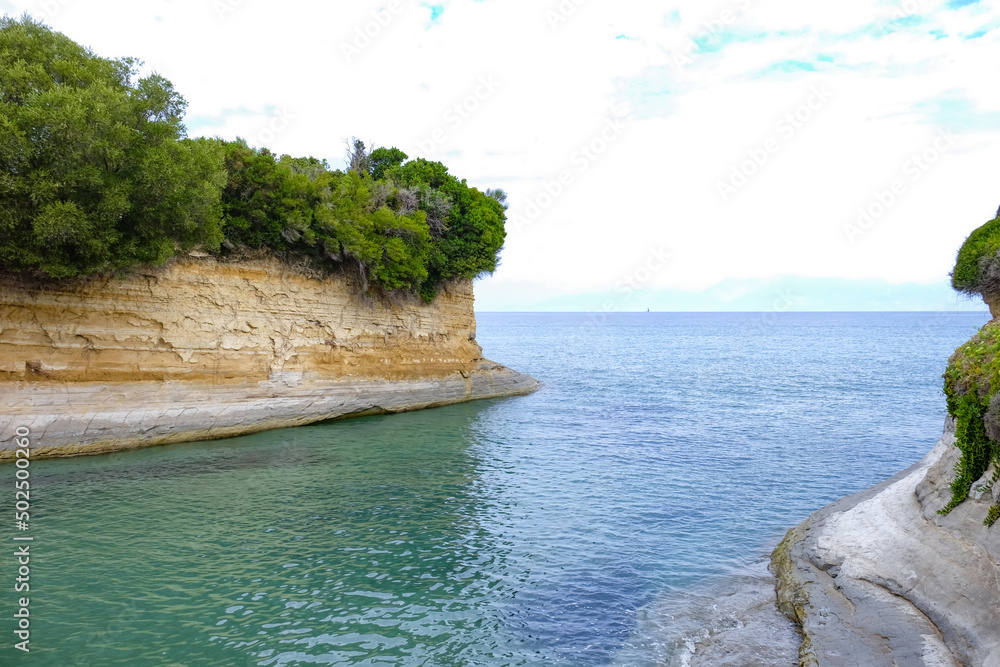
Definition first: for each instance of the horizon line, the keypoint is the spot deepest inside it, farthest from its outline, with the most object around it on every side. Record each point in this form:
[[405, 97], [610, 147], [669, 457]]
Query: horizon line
[[724, 312]]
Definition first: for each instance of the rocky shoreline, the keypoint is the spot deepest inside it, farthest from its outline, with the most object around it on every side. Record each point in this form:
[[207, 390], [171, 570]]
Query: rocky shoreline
[[95, 419], [200, 349], [880, 578]]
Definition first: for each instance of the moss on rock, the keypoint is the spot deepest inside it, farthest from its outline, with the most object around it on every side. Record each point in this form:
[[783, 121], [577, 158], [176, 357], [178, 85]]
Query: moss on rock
[[972, 384]]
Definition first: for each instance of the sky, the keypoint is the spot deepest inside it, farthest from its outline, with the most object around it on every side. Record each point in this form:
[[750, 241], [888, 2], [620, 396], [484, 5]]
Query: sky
[[643, 145]]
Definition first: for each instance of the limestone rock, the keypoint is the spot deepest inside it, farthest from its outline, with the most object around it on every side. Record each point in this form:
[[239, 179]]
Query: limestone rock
[[201, 349], [880, 578], [985, 487]]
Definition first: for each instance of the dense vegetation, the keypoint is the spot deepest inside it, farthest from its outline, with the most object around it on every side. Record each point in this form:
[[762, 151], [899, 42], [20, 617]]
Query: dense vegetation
[[972, 380], [95, 175], [972, 385], [977, 268], [98, 176]]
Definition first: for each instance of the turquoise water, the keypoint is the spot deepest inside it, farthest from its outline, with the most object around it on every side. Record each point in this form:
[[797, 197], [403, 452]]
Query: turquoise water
[[663, 453]]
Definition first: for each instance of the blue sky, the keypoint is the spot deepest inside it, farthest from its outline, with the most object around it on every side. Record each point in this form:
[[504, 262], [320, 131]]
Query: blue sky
[[744, 138]]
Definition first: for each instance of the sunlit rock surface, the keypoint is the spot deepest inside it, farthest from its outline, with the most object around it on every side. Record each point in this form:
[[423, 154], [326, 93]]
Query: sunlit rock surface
[[201, 349], [880, 578]]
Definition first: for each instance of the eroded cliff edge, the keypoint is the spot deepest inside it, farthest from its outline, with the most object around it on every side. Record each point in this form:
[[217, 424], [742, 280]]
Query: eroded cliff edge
[[880, 578], [201, 349]]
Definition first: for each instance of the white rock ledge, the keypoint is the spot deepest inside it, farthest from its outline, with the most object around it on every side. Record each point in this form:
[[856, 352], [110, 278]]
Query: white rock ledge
[[91, 418], [879, 578]]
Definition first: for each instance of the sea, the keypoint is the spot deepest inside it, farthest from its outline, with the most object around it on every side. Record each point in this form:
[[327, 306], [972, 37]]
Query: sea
[[622, 515]]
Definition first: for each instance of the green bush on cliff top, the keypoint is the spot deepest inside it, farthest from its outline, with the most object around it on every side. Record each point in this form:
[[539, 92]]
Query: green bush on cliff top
[[97, 175], [977, 267]]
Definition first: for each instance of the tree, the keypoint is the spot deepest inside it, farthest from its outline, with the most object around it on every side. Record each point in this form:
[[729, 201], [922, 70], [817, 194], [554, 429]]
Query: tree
[[358, 159], [252, 197], [384, 159], [499, 195], [95, 174], [473, 231]]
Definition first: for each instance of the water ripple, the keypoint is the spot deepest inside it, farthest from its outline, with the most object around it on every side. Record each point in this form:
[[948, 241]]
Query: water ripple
[[569, 527]]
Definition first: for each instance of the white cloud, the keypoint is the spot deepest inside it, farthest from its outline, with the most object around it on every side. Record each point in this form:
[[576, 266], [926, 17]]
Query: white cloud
[[557, 86]]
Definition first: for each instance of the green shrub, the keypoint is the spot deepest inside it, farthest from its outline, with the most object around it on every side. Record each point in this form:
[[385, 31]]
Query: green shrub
[[972, 387], [977, 267], [95, 173], [977, 449], [98, 176], [472, 233], [992, 515]]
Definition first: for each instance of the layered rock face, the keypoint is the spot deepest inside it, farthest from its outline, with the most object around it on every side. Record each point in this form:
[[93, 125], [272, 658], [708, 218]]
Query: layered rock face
[[201, 349], [880, 578]]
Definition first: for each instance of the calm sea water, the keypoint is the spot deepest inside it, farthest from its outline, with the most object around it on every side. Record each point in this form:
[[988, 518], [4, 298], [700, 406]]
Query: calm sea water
[[664, 455]]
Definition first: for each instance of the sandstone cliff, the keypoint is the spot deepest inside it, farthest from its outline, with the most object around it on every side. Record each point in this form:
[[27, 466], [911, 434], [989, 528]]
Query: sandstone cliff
[[880, 578], [201, 349]]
